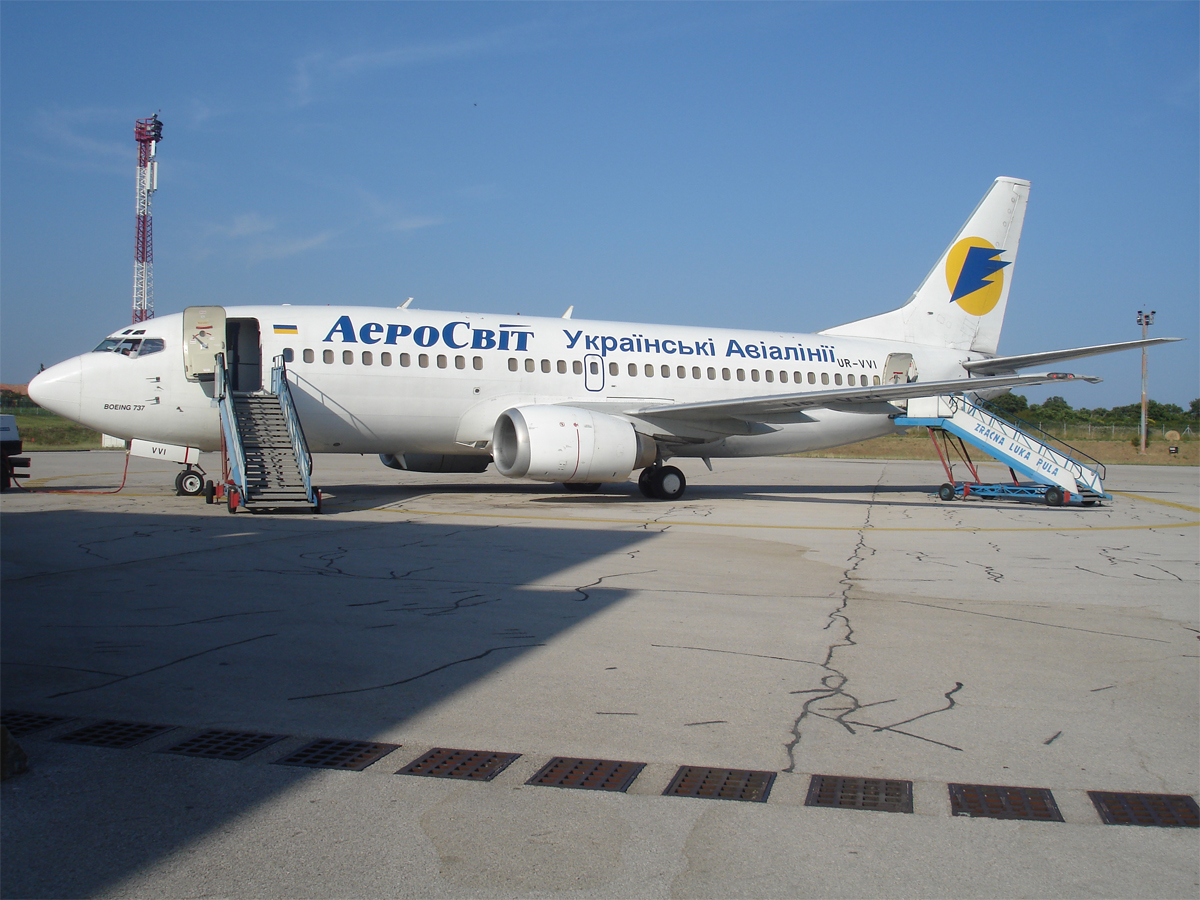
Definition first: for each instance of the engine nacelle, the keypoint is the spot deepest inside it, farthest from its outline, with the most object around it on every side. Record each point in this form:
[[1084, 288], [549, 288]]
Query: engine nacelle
[[436, 462], [564, 443]]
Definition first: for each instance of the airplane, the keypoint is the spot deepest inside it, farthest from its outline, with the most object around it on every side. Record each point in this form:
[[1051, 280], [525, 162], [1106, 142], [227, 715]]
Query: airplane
[[562, 399]]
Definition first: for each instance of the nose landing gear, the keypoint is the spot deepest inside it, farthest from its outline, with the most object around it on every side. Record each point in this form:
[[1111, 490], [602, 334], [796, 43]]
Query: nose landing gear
[[189, 482]]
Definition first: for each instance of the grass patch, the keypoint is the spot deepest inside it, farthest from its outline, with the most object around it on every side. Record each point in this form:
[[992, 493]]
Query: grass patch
[[50, 432]]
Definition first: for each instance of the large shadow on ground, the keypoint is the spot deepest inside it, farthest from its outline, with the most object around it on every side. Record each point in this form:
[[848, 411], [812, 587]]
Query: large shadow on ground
[[296, 626]]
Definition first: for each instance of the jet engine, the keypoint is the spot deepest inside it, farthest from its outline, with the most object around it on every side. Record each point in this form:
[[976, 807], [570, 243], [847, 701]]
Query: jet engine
[[564, 443], [435, 462]]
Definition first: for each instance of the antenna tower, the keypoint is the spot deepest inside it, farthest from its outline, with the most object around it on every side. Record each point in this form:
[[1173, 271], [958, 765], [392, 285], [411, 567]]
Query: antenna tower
[[147, 133]]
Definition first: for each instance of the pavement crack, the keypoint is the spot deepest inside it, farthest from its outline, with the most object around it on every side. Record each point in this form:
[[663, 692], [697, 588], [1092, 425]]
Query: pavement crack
[[585, 596]]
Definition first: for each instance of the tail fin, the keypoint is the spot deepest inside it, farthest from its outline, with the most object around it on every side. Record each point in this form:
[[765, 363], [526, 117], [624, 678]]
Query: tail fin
[[960, 304]]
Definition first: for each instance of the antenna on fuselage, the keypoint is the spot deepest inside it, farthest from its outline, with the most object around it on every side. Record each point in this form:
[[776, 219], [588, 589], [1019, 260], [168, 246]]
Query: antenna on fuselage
[[570, 309], [404, 305]]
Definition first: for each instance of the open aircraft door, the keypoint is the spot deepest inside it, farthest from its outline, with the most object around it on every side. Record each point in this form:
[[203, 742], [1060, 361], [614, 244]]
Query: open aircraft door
[[203, 339]]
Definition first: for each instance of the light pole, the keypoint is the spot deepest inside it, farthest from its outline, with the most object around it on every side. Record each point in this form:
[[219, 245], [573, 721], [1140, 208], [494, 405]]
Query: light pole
[[1145, 319]]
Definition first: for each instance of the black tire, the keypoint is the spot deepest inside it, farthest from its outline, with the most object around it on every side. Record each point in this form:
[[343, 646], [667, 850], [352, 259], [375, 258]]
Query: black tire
[[582, 487], [947, 491], [669, 483], [1088, 503], [646, 483], [210, 492], [231, 499], [189, 483], [1054, 496], [317, 506]]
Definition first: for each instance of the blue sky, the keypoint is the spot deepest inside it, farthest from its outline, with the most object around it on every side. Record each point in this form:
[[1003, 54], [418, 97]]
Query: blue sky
[[778, 165]]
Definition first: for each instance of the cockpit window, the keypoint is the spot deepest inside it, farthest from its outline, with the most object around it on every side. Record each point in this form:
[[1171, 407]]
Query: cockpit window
[[107, 345], [128, 347], [152, 345], [131, 347]]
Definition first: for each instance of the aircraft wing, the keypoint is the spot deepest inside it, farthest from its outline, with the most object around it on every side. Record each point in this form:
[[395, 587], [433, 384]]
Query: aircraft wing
[[862, 399], [1002, 365]]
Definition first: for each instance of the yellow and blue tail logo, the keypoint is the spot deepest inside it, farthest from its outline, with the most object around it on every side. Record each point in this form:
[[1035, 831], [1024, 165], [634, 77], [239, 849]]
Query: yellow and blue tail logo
[[975, 275]]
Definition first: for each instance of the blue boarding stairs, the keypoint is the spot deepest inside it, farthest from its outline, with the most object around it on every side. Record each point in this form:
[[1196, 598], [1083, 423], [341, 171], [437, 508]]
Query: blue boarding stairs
[[1052, 475]]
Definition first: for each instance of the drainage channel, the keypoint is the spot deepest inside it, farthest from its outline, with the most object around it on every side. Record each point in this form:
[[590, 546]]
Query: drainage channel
[[828, 791]]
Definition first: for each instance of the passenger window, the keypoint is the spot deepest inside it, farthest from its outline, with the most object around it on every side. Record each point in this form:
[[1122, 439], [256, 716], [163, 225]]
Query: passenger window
[[696, 372], [546, 366], [512, 364], [308, 356], [156, 345], [770, 375], [837, 377], [530, 365], [649, 370], [460, 362], [423, 360], [812, 377], [725, 374], [562, 367], [666, 371], [712, 374], [874, 380], [385, 359], [633, 370], [741, 374], [288, 354], [824, 378], [327, 356], [754, 374], [681, 372], [614, 369], [577, 367], [367, 358], [798, 377], [441, 361], [850, 380], [783, 377], [594, 367], [477, 362], [348, 357], [405, 360]]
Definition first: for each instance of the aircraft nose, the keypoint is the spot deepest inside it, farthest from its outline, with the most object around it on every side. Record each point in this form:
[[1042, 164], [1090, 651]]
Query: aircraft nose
[[57, 389]]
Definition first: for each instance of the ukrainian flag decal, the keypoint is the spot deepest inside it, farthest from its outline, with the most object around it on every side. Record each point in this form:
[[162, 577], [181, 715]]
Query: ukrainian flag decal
[[286, 329], [975, 276]]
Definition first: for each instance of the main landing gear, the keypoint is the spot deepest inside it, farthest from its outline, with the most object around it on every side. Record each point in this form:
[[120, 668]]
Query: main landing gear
[[661, 483]]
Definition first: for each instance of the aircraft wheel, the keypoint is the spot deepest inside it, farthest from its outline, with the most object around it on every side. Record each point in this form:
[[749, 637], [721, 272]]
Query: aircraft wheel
[[1054, 496], [646, 482], [210, 492], [582, 487], [669, 483], [189, 483]]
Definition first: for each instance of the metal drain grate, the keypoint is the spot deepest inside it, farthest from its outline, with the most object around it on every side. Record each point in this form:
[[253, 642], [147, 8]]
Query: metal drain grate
[[588, 774], [20, 723], [1165, 810], [117, 735], [473, 765], [999, 802], [218, 744], [721, 784], [860, 793], [326, 753]]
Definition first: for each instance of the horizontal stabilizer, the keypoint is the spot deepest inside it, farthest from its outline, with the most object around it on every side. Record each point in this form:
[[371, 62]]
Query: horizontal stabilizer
[[864, 399], [1002, 365]]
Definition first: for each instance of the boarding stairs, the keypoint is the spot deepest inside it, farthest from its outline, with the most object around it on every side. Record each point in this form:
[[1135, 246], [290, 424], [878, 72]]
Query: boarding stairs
[[1056, 475], [267, 462]]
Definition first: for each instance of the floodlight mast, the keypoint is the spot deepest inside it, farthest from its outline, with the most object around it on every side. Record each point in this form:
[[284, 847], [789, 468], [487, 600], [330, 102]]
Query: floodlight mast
[[147, 133]]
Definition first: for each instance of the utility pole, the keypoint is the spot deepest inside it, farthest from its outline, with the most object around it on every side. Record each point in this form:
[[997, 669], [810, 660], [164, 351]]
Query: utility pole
[[147, 133], [1145, 319]]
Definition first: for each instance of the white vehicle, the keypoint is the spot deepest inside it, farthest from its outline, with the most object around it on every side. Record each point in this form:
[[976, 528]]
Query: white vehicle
[[564, 400]]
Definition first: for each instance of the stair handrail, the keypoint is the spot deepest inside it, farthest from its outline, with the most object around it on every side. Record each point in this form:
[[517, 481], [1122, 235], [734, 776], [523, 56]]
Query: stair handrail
[[234, 451], [1068, 462], [281, 388]]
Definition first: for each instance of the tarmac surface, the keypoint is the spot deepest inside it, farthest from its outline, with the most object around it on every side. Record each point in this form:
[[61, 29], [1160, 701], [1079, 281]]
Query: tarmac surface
[[790, 616]]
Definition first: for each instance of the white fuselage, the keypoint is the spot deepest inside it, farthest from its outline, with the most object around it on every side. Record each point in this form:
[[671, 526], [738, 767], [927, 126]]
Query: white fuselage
[[374, 380]]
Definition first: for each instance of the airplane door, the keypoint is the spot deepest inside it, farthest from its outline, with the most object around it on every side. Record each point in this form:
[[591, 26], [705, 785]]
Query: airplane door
[[244, 341], [593, 372], [899, 369], [203, 339]]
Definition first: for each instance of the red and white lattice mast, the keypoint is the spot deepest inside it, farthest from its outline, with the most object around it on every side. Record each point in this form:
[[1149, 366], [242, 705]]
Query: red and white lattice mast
[[147, 133]]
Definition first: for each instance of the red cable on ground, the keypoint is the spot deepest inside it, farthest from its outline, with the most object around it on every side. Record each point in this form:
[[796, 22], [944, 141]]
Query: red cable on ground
[[124, 475]]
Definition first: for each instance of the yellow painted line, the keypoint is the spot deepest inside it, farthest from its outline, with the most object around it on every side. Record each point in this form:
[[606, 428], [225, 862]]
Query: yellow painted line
[[704, 524], [1195, 509]]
